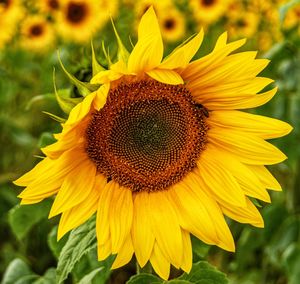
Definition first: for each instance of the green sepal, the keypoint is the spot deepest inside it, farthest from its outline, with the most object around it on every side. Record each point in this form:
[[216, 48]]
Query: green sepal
[[106, 54], [63, 97], [96, 66], [55, 117], [84, 88], [123, 53]]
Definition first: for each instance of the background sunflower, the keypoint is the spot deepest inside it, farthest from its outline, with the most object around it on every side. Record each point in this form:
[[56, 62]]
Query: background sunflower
[[29, 250]]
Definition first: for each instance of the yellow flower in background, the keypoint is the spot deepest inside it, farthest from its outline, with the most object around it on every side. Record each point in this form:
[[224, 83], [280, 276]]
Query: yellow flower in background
[[7, 31], [48, 6], [78, 20], [37, 34], [172, 25], [208, 11], [108, 8], [161, 151], [159, 6], [12, 10], [292, 17], [243, 25]]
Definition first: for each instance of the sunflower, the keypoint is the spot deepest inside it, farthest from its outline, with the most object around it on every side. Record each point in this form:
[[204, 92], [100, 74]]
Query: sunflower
[[11, 9], [172, 25], [37, 34], [292, 18], [142, 6], [109, 8], [78, 20], [161, 150], [48, 6], [208, 11], [243, 25]]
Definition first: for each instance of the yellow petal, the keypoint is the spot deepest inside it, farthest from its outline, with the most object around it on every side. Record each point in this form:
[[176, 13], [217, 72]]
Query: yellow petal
[[248, 214], [229, 90], [125, 254], [104, 250], [182, 55], [70, 139], [49, 180], [105, 77], [101, 96], [247, 180], [120, 216], [81, 109], [244, 102], [207, 63], [219, 180], [187, 257], [103, 211], [168, 236], [192, 212], [76, 187], [142, 236], [41, 168], [148, 52], [224, 236], [30, 201], [264, 127], [80, 213], [247, 148], [265, 177], [159, 263], [165, 76]]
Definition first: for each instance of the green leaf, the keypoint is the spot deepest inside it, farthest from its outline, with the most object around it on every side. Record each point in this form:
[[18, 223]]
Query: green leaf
[[204, 273], [96, 66], [16, 270], [200, 249], [64, 99], [144, 278], [123, 53], [23, 217], [89, 277], [55, 117], [45, 139], [48, 278], [80, 242], [83, 87], [54, 245], [39, 98], [291, 261]]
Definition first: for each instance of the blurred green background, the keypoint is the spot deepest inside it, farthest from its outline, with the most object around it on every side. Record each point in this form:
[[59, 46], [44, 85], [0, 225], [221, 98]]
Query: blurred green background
[[30, 34]]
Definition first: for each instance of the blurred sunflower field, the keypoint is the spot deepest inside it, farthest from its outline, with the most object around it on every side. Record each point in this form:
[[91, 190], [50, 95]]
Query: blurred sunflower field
[[43, 42]]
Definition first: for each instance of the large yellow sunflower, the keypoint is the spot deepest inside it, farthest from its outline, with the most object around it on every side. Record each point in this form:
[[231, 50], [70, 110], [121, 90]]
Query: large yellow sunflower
[[78, 20], [161, 151]]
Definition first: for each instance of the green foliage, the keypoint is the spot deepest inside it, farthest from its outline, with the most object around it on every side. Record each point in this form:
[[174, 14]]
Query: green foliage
[[22, 218], [202, 273], [144, 278], [79, 243]]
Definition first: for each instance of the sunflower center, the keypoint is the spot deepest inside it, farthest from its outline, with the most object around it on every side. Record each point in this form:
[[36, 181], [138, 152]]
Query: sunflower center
[[53, 4], [208, 2], [148, 135], [5, 3], [76, 12], [169, 24], [36, 30]]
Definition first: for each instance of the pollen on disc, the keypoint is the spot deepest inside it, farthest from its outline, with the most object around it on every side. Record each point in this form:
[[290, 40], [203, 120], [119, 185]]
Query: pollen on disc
[[148, 135]]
